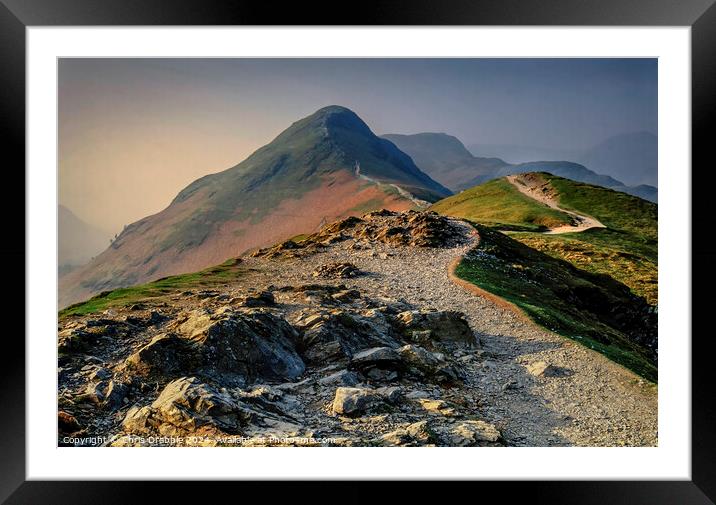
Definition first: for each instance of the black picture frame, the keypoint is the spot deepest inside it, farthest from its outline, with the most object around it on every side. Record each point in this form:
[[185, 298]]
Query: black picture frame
[[16, 15]]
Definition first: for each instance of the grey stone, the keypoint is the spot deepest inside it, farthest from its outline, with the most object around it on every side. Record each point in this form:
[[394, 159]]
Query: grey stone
[[355, 401]]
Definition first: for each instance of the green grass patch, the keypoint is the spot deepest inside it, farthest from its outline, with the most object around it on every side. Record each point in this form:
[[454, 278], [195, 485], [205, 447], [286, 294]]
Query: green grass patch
[[208, 278], [617, 211], [591, 308], [499, 204], [623, 256]]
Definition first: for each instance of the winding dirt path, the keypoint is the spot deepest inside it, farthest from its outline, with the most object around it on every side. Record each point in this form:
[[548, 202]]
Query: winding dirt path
[[540, 191]]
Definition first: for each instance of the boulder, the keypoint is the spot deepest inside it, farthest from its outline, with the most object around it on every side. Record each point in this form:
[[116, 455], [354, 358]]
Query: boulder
[[165, 354], [184, 406], [343, 377], [444, 326], [337, 271], [355, 401], [474, 433], [109, 394], [378, 363], [415, 434], [263, 299], [245, 346], [436, 406], [341, 335], [67, 423], [347, 295], [426, 364]]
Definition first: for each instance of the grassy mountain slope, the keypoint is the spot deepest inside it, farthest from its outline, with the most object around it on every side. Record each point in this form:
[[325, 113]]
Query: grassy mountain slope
[[594, 309], [626, 249], [499, 204], [304, 177], [598, 286]]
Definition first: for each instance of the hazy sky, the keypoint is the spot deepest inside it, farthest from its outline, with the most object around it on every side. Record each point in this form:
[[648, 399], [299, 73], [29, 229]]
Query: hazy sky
[[134, 132]]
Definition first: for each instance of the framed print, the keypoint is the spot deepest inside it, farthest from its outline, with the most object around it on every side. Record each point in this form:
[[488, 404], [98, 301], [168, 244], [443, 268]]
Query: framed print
[[450, 243]]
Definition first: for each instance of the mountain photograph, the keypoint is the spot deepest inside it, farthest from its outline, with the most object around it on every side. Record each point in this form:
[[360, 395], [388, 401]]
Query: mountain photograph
[[307, 254]]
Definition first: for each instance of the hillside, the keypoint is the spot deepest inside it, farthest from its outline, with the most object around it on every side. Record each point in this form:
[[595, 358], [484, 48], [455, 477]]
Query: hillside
[[446, 159], [625, 249], [580, 173], [323, 167], [594, 309], [78, 242], [499, 204]]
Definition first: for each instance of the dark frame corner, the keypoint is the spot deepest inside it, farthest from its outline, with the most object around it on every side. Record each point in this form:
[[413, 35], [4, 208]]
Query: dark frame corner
[[16, 15]]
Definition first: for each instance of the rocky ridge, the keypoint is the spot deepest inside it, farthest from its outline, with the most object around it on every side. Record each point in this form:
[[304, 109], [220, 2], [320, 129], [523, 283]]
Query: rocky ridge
[[352, 336]]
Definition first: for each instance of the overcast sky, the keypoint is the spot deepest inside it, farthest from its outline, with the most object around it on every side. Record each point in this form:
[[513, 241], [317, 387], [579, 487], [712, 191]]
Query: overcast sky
[[134, 132]]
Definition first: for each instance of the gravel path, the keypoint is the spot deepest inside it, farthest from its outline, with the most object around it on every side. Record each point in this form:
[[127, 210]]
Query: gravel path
[[593, 402]]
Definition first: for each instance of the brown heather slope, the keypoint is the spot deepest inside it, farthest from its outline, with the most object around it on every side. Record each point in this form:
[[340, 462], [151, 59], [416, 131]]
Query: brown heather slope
[[304, 178], [340, 195]]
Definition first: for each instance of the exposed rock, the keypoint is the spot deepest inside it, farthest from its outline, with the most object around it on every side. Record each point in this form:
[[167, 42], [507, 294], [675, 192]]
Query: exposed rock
[[474, 433], [378, 363], [341, 334], [165, 354], [415, 434], [184, 406], [355, 401], [444, 326], [412, 228], [67, 423], [544, 369], [387, 362], [337, 271], [343, 377], [245, 346], [426, 364]]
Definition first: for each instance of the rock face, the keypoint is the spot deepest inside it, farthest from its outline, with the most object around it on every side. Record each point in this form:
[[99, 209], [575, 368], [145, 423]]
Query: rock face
[[246, 346], [184, 406], [341, 334], [301, 358], [355, 401]]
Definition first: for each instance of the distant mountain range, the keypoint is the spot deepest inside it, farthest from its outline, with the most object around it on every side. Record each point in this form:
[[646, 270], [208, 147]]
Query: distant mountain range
[[326, 166], [78, 241], [446, 159], [630, 157]]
